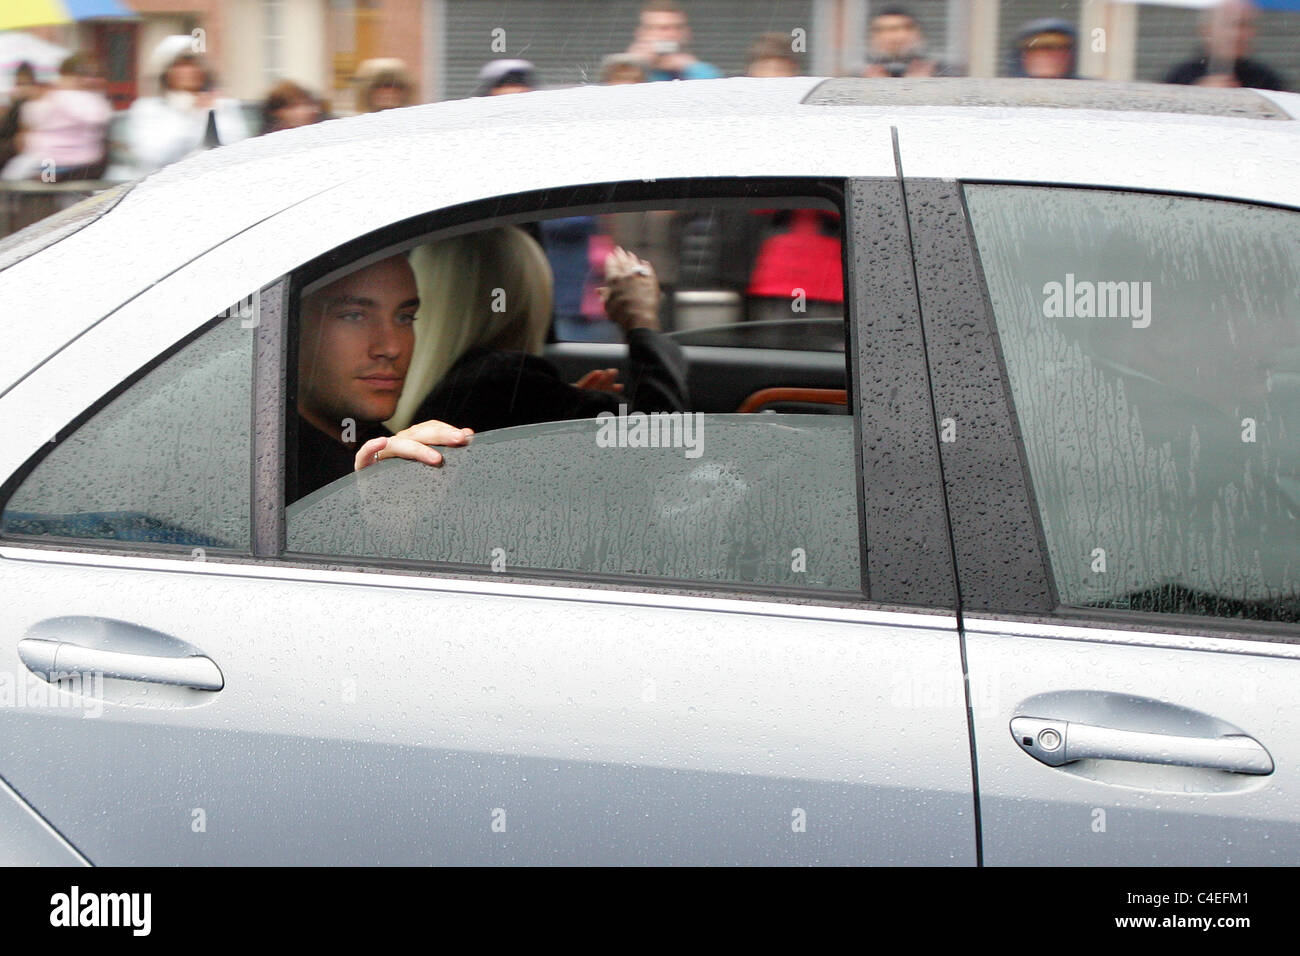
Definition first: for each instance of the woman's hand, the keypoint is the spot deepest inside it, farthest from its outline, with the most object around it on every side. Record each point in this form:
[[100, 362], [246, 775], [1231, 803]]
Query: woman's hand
[[413, 444], [600, 380], [631, 292]]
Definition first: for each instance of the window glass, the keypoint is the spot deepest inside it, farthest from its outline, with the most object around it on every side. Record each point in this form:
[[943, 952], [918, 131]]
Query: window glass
[[166, 461], [1152, 344], [618, 451]]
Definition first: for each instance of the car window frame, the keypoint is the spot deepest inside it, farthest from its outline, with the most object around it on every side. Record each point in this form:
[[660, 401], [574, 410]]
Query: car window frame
[[1014, 583], [880, 540], [854, 197]]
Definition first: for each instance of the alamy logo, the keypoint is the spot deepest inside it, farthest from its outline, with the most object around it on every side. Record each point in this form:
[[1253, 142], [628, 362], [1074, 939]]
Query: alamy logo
[[1086, 299], [655, 430], [102, 909]]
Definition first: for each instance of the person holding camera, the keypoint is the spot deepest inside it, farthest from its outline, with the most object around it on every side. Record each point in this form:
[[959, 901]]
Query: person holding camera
[[662, 43], [896, 47]]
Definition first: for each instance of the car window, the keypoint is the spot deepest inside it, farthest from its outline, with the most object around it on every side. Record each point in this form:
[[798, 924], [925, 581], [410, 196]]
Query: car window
[[1152, 345], [733, 465], [164, 462]]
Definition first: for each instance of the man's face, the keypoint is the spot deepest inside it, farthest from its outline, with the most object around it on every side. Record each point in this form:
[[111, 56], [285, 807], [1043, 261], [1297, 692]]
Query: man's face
[[1230, 32], [663, 26], [894, 36], [1047, 56], [387, 98], [298, 113], [356, 344], [186, 75]]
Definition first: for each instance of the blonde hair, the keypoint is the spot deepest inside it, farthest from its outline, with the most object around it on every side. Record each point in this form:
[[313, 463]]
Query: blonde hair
[[488, 289]]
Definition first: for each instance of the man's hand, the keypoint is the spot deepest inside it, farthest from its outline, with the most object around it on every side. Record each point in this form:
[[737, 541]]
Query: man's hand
[[631, 292], [413, 444], [600, 380]]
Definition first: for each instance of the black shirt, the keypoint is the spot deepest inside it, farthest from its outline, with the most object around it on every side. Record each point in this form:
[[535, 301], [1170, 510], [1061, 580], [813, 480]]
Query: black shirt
[[322, 459], [1250, 73], [489, 389]]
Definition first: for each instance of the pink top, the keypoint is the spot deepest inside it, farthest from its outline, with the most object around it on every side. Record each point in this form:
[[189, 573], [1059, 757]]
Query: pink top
[[66, 126]]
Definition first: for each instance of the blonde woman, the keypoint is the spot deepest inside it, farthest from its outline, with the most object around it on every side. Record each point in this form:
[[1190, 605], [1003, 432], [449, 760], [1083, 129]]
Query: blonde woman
[[485, 306]]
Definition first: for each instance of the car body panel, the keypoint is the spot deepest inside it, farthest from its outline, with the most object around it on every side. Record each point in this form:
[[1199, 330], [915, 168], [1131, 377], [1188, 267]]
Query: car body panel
[[26, 839], [1111, 812], [607, 727], [1151, 675]]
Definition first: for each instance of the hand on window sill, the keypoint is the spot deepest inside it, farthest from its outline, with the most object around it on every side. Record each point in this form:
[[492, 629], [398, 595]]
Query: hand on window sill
[[414, 444]]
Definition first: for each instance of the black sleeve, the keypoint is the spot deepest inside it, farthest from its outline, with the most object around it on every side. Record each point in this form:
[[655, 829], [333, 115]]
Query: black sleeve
[[656, 373], [1185, 73], [490, 390]]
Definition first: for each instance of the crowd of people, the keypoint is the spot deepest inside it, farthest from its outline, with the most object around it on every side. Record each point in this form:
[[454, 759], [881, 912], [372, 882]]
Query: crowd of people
[[60, 132]]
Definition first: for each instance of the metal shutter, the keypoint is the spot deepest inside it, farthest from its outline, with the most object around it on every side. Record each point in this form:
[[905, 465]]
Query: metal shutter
[[567, 39]]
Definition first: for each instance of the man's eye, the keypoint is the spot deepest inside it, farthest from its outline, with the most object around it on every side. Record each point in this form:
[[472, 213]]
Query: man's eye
[[406, 318], [352, 316]]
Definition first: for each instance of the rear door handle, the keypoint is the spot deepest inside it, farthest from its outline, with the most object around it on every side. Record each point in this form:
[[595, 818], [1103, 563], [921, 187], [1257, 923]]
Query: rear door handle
[[1058, 742], [54, 660]]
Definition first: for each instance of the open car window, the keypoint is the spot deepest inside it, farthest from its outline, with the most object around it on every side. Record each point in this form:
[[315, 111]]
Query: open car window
[[697, 453]]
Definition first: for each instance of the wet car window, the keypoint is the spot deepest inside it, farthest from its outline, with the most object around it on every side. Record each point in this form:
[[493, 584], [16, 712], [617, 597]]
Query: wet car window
[[768, 500], [1153, 349], [165, 462]]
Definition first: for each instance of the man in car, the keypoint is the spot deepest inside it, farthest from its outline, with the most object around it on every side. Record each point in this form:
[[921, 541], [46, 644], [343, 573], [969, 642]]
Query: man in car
[[355, 345]]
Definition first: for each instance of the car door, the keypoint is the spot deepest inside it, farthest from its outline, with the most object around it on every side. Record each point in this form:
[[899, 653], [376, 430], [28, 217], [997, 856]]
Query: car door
[[1116, 381], [205, 679]]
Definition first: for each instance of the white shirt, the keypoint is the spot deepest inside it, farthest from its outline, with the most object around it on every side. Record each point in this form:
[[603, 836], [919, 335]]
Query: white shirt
[[164, 129]]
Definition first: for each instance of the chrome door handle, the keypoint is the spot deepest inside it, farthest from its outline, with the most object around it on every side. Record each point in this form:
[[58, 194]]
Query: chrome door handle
[[54, 660], [1058, 742]]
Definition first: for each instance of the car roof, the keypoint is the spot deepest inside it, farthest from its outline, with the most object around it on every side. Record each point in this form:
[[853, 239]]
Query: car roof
[[1009, 93], [346, 176]]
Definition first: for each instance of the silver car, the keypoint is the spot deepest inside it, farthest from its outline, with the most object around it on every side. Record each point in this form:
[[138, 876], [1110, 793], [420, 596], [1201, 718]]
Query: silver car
[[985, 546]]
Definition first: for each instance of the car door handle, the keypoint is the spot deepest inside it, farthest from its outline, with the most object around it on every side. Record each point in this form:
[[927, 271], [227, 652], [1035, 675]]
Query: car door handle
[[54, 660], [1058, 742]]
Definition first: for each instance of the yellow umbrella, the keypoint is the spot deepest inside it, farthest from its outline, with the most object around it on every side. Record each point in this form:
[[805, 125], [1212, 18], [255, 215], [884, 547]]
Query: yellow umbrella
[[17, 14]]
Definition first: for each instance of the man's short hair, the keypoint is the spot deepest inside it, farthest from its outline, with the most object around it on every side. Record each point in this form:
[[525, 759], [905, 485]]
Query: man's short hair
[[663, 6], [774, 46], [895, 10]]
